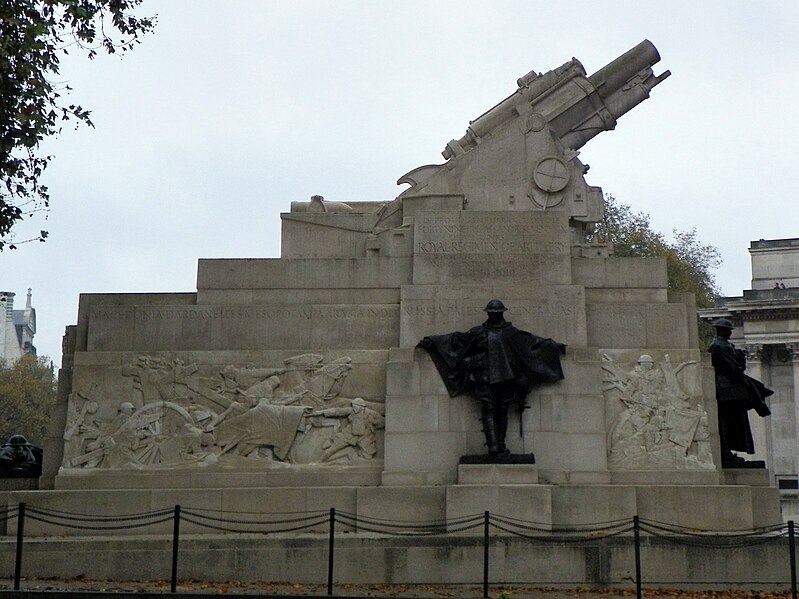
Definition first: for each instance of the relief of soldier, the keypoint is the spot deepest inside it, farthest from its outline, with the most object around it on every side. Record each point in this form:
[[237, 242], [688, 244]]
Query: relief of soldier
[[292, 414]]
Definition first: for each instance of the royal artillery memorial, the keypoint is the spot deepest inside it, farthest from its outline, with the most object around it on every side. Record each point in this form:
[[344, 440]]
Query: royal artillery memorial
[[295, 384]]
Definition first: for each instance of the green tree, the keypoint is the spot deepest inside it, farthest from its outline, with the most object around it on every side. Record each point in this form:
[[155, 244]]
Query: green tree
[[27, 398], [34, 35], [690, 263]]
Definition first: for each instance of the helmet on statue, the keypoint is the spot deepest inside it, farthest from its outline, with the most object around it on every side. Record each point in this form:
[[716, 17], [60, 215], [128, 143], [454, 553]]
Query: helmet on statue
[[495, 306]]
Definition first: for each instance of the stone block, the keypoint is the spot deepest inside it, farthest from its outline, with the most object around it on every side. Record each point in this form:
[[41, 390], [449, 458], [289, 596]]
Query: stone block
[[403, 504], [413, 478], [531, 503], [711, 507], [557, 312], [574, 505], [754, 477], [402, 378], [630, 325], [621, 273], [354, 295], [666, 477], [505, 474], [766, 507], [324, 234], [94, 504], [312, 273], [581, 376], [417, 414], [573, 477], [89, 301], [275, 326], [570, 451], [572, 413], [665, 328], [437, 202], [616, 295], [467, 246], [424, 450], [364, 559]]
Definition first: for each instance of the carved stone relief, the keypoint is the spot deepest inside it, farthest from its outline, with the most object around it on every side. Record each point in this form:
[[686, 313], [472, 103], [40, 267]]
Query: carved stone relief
[[241, 416], [656, 419]]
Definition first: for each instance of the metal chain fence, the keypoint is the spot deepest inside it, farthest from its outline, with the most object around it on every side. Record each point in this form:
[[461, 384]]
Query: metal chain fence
[[270, 523]]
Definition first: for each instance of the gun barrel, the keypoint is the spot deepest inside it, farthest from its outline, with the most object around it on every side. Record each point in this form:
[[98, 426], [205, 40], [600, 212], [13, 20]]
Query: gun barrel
[[576, 107], [613, 76]]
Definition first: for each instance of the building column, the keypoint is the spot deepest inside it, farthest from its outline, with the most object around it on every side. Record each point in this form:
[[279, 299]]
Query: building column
[[761, 427], [793, 395]]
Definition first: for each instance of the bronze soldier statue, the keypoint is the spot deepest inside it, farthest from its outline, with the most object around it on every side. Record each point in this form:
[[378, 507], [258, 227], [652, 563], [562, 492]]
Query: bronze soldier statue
[[498, 364], [736, 394], [18, 458]]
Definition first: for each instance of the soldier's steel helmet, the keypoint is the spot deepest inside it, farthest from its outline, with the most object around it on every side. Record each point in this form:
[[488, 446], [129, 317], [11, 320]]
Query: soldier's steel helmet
[[17, 440], [495, 306], [723, 323]]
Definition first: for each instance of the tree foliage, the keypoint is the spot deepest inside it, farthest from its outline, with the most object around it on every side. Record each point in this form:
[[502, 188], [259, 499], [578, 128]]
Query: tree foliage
[[690, 263], [27, 397], [34, 35]]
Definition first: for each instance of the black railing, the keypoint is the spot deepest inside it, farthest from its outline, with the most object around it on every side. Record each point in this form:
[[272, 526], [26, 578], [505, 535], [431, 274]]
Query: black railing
[[269, 523]]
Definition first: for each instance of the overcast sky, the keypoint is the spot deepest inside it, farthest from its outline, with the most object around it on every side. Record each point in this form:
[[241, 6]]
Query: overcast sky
[[231, 110]]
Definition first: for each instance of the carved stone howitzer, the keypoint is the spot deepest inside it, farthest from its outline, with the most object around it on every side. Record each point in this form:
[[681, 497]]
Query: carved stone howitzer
[[522, 153]]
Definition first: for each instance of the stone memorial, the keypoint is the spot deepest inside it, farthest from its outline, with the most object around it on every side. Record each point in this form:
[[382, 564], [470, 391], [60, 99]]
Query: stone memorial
[[295, 382]]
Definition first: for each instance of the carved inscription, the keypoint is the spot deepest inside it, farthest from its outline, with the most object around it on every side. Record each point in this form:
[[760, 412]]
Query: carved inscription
[[438, 268], [561, 317], [307, 312], [500, 224], [496, 246], [490, 233], [547, 310]]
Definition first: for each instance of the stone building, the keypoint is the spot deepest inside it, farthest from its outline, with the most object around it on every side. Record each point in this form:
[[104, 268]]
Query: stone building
[[17, 328], [767, 328]]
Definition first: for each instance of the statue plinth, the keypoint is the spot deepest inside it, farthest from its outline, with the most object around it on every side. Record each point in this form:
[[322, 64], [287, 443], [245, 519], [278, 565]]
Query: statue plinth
[[485, 472]]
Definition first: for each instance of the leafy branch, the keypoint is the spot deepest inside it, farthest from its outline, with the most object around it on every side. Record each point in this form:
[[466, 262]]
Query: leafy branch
[[33, 36]]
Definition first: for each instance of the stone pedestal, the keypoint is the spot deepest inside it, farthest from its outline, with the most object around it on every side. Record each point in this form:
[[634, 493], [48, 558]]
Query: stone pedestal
[[507, 474]]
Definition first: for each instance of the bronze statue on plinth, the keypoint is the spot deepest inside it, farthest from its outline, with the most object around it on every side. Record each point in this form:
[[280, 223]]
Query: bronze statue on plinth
[[498, 364], [736, 394]]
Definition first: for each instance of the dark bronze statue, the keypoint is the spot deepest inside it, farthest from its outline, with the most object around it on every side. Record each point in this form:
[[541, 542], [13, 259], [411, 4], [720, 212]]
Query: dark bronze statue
[[18, 458], [736, 394], [498, 364]]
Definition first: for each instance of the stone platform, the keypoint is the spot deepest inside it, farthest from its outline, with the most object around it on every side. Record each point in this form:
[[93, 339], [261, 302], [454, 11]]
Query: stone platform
[[371, 559]]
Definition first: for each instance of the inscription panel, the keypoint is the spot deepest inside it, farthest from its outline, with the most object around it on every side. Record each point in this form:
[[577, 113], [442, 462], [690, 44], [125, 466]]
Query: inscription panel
[[558, 312], [490, 232], [643, 325], [274, 326], [468, 246]]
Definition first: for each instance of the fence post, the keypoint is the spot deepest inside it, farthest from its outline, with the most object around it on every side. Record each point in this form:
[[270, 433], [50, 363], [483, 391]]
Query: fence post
[[20, 535], [330, 550], [486, 520], [792, 551], [175, 538], [637, 539]]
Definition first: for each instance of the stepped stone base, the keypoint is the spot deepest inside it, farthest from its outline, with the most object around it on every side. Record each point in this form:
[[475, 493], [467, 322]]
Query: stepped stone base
[[447, 559], [505, 490]]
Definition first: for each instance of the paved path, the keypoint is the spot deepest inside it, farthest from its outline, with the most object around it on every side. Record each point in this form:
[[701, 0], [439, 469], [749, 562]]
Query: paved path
[[75, 588]]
